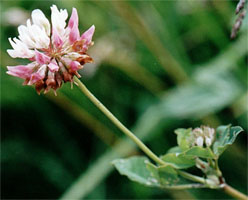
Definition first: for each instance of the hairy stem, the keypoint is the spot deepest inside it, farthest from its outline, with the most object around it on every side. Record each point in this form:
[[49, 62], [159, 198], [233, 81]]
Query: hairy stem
[[108, 114], [234, 193]]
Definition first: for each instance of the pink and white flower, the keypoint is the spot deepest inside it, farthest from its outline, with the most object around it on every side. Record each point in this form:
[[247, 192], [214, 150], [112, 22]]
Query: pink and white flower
[[57, 51]]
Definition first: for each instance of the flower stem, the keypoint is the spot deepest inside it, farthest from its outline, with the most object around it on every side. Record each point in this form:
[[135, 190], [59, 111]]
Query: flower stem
[[99, 105], [234, 193]]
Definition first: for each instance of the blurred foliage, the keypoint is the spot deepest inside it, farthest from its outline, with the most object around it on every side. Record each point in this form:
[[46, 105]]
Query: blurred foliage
[[159, 65]]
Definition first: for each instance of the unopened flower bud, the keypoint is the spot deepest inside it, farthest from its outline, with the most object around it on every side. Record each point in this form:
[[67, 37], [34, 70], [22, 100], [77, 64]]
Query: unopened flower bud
[[208, 141], [204, 135], [199, 141]]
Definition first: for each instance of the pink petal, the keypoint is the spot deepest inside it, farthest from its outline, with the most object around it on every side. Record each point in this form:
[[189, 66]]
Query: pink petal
[[34, 78], [41, 58], [57, 41], [53, 66], [39, 75], [73, 19], [74, 34], [87, 35], [21, 71], [74, 66], [66, 61]]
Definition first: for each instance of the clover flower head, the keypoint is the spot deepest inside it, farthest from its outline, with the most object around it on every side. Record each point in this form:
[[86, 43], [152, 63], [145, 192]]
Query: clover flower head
[[57, 50]]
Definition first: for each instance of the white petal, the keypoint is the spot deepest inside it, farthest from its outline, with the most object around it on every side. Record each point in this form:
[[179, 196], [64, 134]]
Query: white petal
[[28, 23], [31, 32], [39, 36], [25, 36], [12, 43], [20, 45], [40, 19], [211, 132], [198, 130], [58, 19], [13, 53], [73, 55], [199, 141], [20, 49], [208, 141], [20, 54]]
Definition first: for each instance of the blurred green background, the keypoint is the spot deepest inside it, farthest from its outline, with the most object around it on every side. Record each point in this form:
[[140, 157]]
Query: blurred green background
[[159, 65]]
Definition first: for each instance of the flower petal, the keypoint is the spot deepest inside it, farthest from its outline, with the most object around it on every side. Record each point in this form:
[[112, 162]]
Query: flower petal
[[50, 82], [58, 19], [87, 35], [74, 66], [20, 49], [73, 19], [41, 58], [39, 19], [57, 40], [74, 34], [53, 66], [21, 71], [199, 141], [39, 75], [38, 35], [25, 36]]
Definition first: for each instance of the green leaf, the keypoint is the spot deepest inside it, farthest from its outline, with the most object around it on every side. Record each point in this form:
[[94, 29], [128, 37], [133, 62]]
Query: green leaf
[[201, 152], [167, 175], [186, 159], [225, 135], [175, 149], [141, 170], [184, 138], [153, 170], [179, 161], [164, 175], [135, 169]]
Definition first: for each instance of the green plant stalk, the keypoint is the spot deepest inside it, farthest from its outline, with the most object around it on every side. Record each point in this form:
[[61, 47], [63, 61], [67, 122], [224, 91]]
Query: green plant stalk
[[234, 193], [184, 187], [219, 173], [191, 177], [229, 190], [108, 114]]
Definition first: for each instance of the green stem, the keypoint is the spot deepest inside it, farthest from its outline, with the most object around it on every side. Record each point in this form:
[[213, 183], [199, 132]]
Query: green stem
[[99, 105], [234, 193], [191, 177], [219, 173], [184, 187]]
